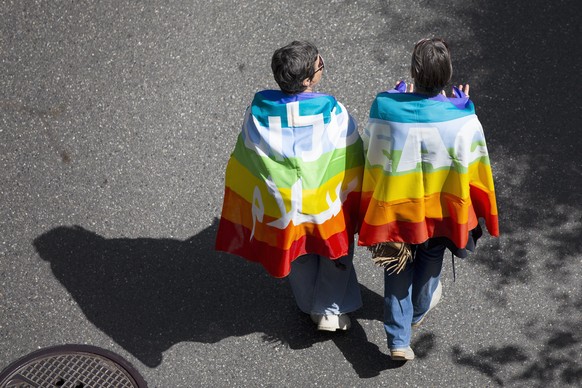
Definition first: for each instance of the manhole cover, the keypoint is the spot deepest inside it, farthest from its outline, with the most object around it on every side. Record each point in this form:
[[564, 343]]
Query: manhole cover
[[71, 366]]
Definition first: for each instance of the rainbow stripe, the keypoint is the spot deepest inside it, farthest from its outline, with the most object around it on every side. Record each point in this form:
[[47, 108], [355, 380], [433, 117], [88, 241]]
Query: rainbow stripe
[[293, 181], [427, 171]]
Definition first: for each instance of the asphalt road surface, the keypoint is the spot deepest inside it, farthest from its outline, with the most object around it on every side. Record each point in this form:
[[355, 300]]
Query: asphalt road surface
[[116, 122]]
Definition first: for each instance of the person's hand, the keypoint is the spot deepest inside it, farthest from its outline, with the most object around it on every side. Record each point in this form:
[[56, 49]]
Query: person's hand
[[403, 87], [464, 89], [461, 87]]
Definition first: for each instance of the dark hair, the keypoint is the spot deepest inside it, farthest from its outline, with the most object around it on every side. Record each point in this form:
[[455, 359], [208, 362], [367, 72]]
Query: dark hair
[[431, 66], [292, 64]]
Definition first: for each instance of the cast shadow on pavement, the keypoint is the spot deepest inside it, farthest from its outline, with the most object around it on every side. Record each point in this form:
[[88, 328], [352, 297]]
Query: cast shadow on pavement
[[149, 294], [526, 66]]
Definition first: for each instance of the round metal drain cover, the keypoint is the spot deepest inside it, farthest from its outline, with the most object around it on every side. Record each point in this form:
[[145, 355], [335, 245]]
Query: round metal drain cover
[[71, 366]]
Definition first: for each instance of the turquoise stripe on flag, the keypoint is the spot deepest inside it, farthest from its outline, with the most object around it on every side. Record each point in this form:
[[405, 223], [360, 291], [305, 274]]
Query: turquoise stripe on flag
[[321, 126], [415, 108], [269, 105]]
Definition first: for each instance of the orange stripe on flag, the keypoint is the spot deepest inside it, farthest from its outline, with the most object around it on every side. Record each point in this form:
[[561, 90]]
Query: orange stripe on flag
[[238, 211]]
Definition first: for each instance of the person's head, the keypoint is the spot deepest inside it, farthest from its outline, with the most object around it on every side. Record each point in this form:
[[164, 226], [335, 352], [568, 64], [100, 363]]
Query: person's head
[[431, 67], [297, 67]]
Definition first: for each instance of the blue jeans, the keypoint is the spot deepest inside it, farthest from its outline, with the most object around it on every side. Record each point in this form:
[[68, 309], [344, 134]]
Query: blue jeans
[[407, 295], [324, 286]]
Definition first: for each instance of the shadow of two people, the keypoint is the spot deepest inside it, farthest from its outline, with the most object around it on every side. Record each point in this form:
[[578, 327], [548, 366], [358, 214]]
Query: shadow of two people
[[148, 294]]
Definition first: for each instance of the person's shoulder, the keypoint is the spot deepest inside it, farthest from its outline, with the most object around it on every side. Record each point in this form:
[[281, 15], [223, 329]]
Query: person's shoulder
[[396, 93], [269, 94], [316, 99], [319, 95], [391, 97], [331, 99]]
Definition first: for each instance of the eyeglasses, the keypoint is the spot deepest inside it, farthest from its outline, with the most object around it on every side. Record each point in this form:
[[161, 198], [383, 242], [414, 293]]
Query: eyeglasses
[[320, 65]]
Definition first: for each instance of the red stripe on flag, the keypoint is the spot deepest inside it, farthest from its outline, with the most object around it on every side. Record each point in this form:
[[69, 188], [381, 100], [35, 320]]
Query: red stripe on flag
[[234, 238]]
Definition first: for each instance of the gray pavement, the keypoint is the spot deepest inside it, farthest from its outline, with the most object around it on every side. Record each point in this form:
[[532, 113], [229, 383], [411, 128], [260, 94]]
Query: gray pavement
[[116, 122]]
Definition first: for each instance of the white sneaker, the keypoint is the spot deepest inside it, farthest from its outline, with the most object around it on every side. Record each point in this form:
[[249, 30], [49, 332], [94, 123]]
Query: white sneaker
[[331, 322], [436, 297], [402, 354]]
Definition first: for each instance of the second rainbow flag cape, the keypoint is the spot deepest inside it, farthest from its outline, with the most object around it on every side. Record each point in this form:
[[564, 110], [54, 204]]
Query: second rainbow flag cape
[[427, 171]]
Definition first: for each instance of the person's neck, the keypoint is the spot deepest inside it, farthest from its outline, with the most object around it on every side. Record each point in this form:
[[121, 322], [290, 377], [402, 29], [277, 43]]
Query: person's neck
[[421, 90]]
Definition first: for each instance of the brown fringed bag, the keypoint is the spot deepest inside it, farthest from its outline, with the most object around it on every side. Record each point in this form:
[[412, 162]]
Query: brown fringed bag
[[393, 256]]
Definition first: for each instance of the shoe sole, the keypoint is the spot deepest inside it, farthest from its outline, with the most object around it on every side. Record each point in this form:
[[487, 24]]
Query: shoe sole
[[327, 328], [332, 328], [323, 327], [401, 356]]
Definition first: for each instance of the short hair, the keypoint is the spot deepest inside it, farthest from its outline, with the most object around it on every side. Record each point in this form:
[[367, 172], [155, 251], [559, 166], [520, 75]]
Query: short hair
[[292, 64], [431, 66]]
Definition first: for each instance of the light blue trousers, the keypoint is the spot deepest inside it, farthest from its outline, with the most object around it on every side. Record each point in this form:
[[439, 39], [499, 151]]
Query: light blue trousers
[[407, 295], [324, 286]]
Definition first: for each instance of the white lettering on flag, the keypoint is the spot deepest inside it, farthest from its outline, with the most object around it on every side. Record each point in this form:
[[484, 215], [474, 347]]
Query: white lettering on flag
[[296, 120], [258, 209], [436, 152], [295, 213]]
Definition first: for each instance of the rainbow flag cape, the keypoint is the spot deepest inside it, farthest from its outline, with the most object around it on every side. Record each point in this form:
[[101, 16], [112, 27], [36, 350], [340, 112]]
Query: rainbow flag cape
[[293, 181], [427, 170]]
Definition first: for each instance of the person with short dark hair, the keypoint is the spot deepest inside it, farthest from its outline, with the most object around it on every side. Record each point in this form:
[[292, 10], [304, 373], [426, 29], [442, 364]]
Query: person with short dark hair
[[431, 67], [427, 182], [297, 67], [293, 189]]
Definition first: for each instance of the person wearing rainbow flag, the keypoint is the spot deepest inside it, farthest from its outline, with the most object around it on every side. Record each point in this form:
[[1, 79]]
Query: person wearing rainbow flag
[[427, 181], [292, 189]]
